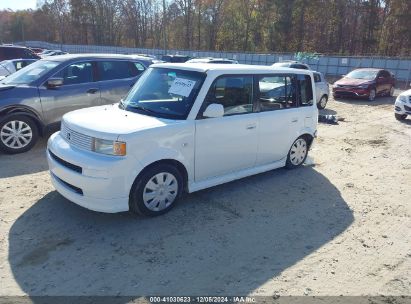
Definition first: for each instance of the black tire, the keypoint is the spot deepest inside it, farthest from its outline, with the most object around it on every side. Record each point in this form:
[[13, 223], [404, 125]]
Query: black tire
[[136, 200], [322, 105], [7, 145], [290, 163], [372, 95], [400, 117]]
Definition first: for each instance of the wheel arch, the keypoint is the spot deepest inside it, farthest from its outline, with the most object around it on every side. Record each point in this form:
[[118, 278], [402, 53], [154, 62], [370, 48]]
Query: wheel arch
[[169, 161], [23, 110]]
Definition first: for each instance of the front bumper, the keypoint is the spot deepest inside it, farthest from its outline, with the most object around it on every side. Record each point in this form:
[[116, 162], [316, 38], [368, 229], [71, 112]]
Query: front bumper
[[402, 108], [351, 92], [96, 182]]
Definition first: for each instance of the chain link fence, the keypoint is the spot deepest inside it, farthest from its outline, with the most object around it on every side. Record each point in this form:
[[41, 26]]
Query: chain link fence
[[331, 66]]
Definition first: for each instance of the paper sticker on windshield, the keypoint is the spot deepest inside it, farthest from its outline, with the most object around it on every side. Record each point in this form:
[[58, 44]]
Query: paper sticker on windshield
[[182, 87]]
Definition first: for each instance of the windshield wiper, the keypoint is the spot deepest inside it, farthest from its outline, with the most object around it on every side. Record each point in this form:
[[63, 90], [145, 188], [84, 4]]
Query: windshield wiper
[[143, 109]]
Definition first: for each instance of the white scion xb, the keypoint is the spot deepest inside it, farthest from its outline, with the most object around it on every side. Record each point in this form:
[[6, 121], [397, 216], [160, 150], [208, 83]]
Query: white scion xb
[[183, 127]]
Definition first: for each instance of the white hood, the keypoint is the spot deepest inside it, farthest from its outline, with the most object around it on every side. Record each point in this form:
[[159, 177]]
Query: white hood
[[406, 93], [110, 121]]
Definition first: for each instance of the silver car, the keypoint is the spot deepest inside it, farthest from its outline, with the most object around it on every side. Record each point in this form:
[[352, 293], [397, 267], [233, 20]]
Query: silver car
[[33, 100], [322, 90]]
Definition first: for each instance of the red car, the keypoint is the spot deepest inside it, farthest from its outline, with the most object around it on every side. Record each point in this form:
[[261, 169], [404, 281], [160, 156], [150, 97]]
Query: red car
[[366, 83]]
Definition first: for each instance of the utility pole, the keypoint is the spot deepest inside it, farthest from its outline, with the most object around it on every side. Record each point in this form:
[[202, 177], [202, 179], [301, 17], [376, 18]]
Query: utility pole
[[165, 27]]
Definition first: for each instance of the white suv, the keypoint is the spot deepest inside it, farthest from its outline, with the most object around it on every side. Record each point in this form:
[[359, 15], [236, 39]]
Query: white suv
[[403, 105], [183, 128]]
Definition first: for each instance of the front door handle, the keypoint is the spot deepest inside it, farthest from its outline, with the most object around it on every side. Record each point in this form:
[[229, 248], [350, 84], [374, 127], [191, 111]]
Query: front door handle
[[294, 119], [92, 91], [251, 126]]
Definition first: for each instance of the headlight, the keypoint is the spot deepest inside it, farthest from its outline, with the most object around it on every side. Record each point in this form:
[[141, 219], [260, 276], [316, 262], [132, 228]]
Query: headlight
[[363, 86], [109, 147]]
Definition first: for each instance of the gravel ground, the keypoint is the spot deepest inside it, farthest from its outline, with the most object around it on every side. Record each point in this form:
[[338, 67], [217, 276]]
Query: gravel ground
[[338, 226]]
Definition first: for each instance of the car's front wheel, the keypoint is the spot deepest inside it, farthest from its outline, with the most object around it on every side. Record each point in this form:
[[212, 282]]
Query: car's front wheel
[[372, 95], [156, 190], [400, 117], [323, 102], [298, 153], [18, 133]]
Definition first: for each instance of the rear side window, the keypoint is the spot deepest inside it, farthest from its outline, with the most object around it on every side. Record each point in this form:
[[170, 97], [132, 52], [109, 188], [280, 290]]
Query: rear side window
[[317, 77], [276, 92], [235, 93], [136, 68], [305, 90], [110, 70]]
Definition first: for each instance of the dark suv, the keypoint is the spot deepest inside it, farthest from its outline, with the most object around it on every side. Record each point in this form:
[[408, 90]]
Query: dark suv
[[16, 52], [34, 99]]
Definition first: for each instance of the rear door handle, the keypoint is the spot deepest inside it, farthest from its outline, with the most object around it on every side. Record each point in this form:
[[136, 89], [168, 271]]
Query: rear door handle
[[92, 91], [294, 119]]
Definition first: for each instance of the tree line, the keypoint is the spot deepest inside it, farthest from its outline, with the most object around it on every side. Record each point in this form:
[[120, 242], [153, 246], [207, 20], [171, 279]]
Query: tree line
[[349, 27]]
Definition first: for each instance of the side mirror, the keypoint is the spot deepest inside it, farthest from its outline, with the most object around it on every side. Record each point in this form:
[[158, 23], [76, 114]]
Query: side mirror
[[53, 83], [214, 110]]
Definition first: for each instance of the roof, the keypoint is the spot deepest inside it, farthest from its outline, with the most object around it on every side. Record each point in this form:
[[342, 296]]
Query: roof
[[226, 68], [94, 56]]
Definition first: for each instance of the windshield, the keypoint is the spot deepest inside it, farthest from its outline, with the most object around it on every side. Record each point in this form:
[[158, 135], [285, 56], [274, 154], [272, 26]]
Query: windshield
[[362, 74], [31, 72], [166, 93]]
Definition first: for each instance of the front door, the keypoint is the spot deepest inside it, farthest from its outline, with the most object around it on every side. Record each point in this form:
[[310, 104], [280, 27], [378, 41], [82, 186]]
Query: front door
[[78, 91], [227, 144]]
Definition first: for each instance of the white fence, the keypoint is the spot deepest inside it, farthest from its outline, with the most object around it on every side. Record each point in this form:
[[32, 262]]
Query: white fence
[[329, 65]]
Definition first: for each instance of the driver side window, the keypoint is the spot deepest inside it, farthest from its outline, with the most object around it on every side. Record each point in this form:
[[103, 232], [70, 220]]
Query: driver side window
[[234, 93], [76, 73]]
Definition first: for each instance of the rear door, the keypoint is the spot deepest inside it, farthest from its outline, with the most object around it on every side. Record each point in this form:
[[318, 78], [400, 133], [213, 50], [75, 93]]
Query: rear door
[[116, 77], [286, 107], [79, 90]]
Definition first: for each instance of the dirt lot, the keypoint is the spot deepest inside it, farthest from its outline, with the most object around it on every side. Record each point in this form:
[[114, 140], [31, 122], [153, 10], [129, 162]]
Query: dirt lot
[[340, 226]]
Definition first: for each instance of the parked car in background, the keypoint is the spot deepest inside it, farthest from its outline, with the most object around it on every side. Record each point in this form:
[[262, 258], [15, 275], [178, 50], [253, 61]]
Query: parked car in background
[[213, 60], [175, 58], [292, 64], [53, 53], [36, 50], [34, 99], [403, 105], [183, 127], [8, 67], [322, 90], [366, 83], [8, 52]]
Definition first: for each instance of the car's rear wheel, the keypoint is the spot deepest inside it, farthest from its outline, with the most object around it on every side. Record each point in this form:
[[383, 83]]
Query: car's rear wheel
[[298, 153], [323, 102], [156, 190], [372, 95], [18, 133], [392, 90], [400, 117]]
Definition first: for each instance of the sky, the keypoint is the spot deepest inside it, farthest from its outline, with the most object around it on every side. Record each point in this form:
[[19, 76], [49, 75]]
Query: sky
[[17, 4]]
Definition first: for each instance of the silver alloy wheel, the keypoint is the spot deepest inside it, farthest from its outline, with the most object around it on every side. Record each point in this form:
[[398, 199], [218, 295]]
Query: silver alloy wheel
[[16, 134], [323, 102], [298, 152], [160, 191], [372, 95]]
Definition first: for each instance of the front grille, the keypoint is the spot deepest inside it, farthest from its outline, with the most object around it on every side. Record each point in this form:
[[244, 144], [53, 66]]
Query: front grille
[[75, 138], [407, 108], [74, 188], [66, 163], [344, 93], [409, 99], [345, 86]]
